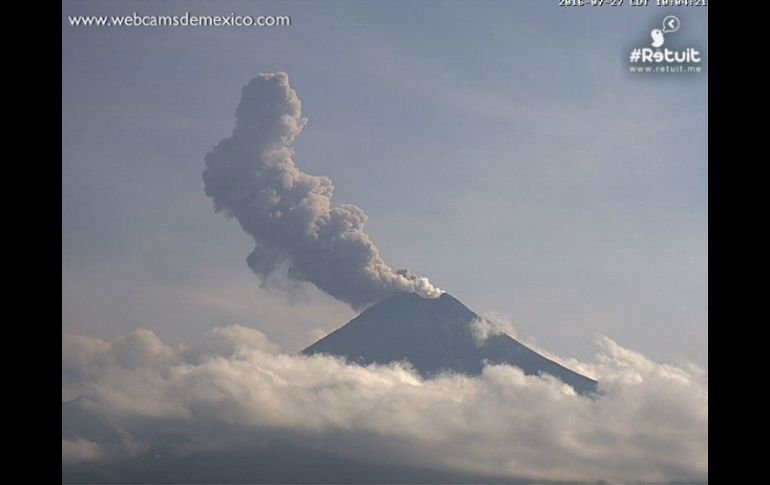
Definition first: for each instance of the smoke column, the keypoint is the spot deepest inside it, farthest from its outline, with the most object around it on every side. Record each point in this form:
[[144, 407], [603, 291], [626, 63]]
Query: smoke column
[[252, 176]]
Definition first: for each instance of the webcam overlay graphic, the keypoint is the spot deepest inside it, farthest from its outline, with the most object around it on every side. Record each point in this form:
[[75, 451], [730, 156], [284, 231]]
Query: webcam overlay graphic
[[660, 59]]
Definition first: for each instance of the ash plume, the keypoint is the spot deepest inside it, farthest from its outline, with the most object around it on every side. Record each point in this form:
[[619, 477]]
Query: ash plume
[[252, 176]]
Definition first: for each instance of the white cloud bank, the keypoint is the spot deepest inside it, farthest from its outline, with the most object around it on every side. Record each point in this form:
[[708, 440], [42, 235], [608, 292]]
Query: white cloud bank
[[236, 390]]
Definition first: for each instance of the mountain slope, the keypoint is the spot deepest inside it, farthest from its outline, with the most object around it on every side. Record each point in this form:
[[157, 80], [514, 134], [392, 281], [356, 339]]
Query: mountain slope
[[433, 335]]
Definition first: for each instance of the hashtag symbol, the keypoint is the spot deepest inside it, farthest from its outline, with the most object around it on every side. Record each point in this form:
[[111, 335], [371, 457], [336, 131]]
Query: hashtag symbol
[[636, 54]]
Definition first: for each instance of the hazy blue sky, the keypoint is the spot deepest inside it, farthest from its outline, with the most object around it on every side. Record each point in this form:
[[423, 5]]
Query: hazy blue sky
[[499, 148]]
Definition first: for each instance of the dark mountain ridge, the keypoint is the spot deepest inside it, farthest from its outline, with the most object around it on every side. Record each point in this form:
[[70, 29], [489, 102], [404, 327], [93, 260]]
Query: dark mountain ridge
[[435, 335]]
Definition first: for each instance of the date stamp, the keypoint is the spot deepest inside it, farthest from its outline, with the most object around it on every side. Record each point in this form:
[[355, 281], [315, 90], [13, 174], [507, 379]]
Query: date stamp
[[633, 3]]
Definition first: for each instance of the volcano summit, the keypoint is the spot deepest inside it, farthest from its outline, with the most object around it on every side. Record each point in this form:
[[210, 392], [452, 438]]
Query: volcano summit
[[435, 335]]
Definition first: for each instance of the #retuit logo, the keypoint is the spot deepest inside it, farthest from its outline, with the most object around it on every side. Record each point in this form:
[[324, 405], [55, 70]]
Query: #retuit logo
[[656, 58]]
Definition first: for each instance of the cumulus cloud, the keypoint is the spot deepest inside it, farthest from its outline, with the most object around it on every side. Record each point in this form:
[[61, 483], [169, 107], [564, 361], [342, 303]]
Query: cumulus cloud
[[251, 176], [79, 450], [230, 341], [491, 324], [234, 392]]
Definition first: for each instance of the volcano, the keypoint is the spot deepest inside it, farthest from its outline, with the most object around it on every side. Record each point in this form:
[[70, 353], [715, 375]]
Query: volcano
[[435, 335]]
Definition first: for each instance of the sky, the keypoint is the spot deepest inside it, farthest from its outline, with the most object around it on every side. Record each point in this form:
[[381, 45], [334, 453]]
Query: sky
[[499, 148]]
